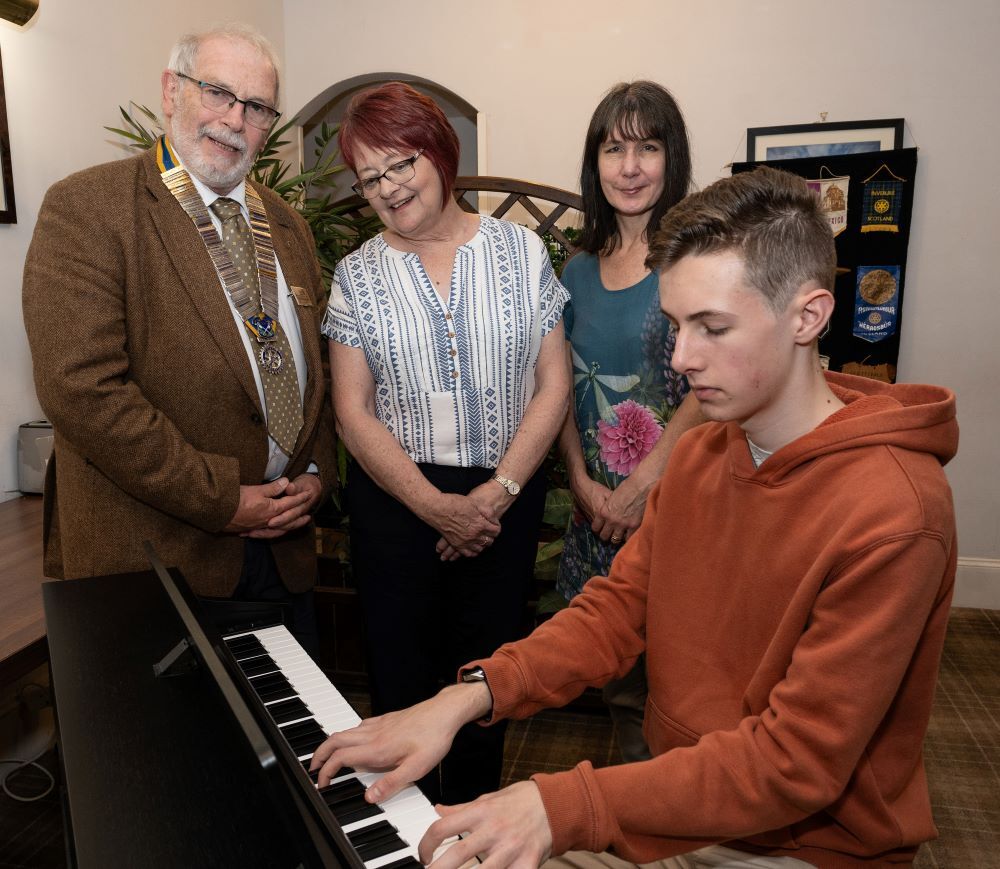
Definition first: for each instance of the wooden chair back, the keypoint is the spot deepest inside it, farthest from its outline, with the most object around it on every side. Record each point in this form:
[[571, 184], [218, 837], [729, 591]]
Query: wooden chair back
[[539, 207]]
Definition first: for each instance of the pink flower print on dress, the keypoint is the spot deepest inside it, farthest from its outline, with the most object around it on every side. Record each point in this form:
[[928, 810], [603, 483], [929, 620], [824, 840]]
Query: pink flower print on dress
[[628, 440]]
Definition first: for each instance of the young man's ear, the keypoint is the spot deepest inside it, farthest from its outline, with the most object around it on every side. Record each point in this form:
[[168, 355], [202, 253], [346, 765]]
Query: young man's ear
[[815, 307]]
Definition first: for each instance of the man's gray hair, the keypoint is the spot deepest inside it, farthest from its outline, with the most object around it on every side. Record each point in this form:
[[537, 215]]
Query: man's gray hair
[[184, 54]]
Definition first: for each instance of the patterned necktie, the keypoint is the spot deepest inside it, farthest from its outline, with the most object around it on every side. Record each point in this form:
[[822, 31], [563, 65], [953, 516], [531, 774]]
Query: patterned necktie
[[281, 388]]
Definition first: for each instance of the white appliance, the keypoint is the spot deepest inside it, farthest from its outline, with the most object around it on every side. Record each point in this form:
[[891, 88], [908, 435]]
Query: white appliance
[[34, 446]]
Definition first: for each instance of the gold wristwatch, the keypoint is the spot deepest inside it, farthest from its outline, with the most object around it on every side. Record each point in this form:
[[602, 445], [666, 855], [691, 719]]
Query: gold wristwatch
[[512, 486]]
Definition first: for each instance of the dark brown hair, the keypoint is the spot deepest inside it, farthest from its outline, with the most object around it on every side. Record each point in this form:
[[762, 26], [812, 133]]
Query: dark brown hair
[[637, 110], [771, 218]]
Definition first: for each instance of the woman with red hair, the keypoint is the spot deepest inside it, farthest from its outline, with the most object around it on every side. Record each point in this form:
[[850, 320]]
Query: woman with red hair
[[449, 386]]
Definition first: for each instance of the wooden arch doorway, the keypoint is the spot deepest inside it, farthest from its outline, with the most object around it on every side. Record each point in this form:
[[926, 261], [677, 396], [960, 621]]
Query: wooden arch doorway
[[329, 106]]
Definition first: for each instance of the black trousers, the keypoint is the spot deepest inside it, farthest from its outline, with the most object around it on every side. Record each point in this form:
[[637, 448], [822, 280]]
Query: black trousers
[[425, 618], [260, 581]]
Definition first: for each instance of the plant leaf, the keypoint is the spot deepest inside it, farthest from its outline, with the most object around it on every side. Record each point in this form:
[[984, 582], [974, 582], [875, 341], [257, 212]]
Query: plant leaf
[[550, 602], [549, 550], [558, 508]]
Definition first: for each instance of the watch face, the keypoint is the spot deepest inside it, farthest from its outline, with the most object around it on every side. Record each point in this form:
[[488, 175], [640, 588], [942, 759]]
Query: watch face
[[513, 487]]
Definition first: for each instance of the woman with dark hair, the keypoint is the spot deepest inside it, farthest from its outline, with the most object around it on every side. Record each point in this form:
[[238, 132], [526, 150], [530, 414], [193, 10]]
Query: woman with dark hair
[[629, 406], [449, 386]]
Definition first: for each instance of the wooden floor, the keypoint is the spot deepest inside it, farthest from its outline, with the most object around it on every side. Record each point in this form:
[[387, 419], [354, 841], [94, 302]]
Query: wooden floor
[[22, 625]]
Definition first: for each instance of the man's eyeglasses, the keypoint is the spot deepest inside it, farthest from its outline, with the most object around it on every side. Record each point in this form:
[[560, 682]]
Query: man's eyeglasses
[[397, 173], [218, 99]]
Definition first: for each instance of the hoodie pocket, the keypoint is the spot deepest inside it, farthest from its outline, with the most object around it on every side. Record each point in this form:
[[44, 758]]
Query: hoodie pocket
[[663, 733]]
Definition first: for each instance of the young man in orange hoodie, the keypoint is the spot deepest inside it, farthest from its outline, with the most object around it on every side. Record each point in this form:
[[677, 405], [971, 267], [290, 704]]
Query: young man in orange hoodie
[[790, 586]]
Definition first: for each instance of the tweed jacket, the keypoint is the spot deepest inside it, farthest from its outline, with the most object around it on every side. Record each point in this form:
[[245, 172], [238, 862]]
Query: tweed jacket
[[140, 367]]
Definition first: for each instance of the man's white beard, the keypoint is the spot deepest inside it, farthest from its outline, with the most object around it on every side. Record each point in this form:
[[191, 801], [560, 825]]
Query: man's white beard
[[186, 145]]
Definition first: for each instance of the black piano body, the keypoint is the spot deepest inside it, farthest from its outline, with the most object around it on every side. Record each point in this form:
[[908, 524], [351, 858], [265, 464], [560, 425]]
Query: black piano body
[[184, 769]]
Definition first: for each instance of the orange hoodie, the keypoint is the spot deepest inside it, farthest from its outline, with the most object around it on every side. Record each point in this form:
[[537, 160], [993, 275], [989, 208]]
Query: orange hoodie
[[793, 617]]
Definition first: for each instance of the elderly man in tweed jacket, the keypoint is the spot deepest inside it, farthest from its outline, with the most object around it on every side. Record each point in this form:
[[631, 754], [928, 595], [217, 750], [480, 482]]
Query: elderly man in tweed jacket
[[144, 366]]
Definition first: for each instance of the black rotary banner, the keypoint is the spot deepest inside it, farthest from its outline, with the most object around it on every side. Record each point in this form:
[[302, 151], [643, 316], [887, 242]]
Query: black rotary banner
[[868, 199]]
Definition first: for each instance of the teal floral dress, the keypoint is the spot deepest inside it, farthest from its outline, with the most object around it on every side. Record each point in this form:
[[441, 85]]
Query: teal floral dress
[[625, 393]]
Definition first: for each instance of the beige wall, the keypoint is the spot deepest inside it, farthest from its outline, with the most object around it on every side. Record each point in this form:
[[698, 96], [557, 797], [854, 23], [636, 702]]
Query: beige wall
[[536, 71]]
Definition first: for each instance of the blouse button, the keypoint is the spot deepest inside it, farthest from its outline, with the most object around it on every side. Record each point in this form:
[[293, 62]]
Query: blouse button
[[448, 315], [453, 352], [454, 374], [451, 334]]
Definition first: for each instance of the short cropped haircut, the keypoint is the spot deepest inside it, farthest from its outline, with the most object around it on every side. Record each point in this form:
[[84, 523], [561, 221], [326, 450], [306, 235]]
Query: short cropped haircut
[[637, 110], [184, 54], [771, 218], [396, 117]]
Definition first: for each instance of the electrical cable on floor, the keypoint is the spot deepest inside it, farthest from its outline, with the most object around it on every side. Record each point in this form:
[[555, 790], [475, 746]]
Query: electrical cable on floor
[[21, 765], [44, 738]]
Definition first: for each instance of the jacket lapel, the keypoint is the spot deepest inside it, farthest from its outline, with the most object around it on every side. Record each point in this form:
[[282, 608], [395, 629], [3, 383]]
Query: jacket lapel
[[200, 281]]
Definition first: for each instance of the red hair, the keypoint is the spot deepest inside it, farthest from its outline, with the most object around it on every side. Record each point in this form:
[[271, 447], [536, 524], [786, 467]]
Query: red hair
[[396, 117]]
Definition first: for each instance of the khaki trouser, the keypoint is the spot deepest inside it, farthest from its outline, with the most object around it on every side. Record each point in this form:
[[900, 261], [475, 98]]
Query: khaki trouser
[[626, 699], [713, 857]]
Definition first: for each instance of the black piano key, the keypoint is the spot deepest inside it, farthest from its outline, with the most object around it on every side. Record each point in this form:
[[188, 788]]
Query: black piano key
[[314, 773], [272, 686], [380, 849], [346, 789], [256, 666], [241, 644], [302, 728], [348, 803], [248, 652], [405, 863], [274, 679], [374, 833], [351, 813], [288, 710], [306, 741], [252, 649], [269, 695], [376, 840], [307, 744]]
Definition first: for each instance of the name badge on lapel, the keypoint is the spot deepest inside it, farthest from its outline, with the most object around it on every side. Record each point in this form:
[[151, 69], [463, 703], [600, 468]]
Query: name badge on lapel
[[301, 296]]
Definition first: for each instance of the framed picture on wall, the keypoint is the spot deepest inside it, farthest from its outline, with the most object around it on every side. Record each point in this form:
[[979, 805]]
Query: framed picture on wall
[[835, 138], [7, 212]]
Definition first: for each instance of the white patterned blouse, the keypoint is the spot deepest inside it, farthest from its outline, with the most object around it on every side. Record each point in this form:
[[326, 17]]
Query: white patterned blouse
[[452, 379]]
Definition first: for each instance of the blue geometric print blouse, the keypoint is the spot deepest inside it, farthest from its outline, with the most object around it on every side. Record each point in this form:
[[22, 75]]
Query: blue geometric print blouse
[[452, 379]]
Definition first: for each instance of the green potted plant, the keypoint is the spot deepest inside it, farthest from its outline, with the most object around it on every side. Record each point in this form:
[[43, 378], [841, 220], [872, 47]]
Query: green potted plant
[[338, 228]]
